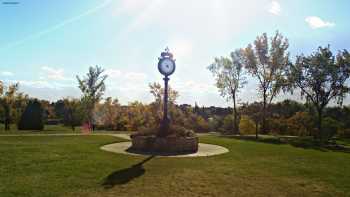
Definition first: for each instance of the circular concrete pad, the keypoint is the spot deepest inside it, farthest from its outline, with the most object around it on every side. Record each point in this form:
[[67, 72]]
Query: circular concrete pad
[[204, 150]]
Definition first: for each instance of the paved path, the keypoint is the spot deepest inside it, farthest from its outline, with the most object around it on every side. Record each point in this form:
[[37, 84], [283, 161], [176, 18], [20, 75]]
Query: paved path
[[204, 150], [119, 135]]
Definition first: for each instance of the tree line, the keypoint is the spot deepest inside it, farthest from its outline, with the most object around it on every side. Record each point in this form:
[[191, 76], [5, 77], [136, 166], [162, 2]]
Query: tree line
[[320, 78], [91, 109]]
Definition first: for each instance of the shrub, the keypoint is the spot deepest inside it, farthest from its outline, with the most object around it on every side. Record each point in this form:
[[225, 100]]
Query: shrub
[[228, 124], [32, 117], [345, 133], [146, 131], [214, 123], [201, 125], [246, 126], [330, 127], [300, 124], [277, 126], [179, 131]]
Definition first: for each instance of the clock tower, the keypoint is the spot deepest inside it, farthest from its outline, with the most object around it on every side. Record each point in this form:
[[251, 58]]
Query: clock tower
[[166, 67]]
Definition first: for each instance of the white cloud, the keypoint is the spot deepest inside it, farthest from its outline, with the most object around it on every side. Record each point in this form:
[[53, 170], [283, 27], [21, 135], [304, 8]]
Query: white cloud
[[53, 73], [33, 83], [113, 73], [212, 21], [193, 86], [316, 22], [125, 81], [181, 47], [41, 83], [135, 76], [127, 86], [275, 8], [6, 73], [116, 74]]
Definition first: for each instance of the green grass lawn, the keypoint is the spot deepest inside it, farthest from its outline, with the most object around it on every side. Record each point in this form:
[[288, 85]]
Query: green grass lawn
[[48, 129], [75, 166]]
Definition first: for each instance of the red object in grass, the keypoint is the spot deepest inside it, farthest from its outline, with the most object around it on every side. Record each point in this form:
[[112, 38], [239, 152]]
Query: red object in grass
[[86, 128]]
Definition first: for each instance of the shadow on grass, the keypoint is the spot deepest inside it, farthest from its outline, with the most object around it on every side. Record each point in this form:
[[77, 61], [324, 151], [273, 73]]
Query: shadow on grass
[[299, 142], [124, 176]]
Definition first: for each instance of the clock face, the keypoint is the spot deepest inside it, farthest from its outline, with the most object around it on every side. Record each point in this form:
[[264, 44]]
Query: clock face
[[166, 66]]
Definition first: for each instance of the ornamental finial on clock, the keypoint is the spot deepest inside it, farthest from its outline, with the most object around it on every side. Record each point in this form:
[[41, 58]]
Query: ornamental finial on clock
[[166, 53]]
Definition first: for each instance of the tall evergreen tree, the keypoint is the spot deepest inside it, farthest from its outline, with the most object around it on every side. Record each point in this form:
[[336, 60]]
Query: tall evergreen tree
[[32, 117]]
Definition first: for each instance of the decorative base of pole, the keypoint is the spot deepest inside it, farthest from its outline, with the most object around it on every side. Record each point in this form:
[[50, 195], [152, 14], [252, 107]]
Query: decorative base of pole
[[168, 145], [164, 129]]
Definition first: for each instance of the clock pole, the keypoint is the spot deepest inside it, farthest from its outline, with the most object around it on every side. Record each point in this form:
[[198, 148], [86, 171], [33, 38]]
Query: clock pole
[[166, 67], [165, 122]]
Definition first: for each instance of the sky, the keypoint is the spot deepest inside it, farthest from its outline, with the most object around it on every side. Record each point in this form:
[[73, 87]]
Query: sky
[[45, 44]]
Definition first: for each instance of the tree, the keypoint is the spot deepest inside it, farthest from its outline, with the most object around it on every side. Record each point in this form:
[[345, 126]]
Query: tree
[[215, 123], [93, 87], [228, 123], [32, 117], [19, 105], [1, 87], [253, 111], [110, 112], [59, 109], [7, 100], [286, 108], [138, 116], [247, 125], [229, 76], [158, 93], [72, 113], [300, 124], [321, 77], [267, 63]]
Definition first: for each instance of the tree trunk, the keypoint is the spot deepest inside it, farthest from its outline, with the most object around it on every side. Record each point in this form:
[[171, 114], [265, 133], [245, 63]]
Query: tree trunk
[[256, 129], [319, 123], [90, 119], [7, 118], [7, 124], [263, 126], [235, 115]]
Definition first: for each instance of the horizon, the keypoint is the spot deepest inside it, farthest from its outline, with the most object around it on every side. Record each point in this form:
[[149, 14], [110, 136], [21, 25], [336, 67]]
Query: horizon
[[56, 41]]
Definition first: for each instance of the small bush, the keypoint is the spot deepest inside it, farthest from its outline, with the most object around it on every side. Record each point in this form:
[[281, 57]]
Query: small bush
[[146, 131], [228, 123], [182, 131], [345, 133], [246, 126], [277, 126], [179, 131]]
